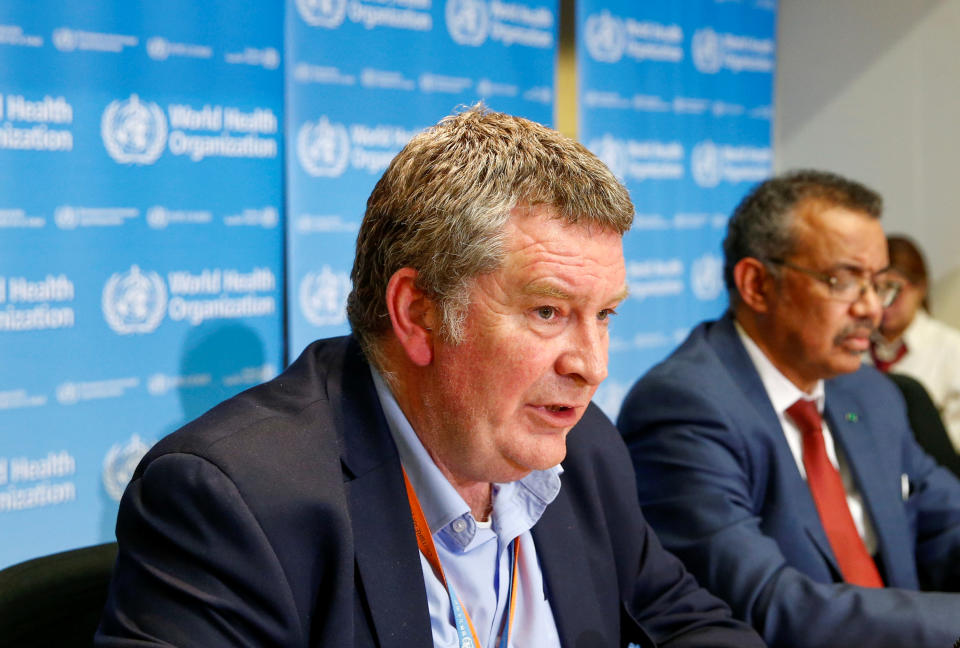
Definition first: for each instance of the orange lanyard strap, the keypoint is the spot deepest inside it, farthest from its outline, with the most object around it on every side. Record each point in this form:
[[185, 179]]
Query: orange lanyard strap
[[465, 629]]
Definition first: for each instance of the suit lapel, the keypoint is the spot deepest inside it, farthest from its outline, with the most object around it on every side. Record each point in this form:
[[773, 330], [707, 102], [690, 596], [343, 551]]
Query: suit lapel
[[728, 347], [560, 549], [388, 561], [850, 424]]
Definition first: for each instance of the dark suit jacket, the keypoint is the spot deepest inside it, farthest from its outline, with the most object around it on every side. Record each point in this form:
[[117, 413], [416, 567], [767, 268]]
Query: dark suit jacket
[[279, 518], [720, 486], [928, 428]]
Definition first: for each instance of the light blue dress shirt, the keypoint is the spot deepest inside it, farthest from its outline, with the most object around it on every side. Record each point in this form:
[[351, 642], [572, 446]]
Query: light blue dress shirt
[[475, 557]]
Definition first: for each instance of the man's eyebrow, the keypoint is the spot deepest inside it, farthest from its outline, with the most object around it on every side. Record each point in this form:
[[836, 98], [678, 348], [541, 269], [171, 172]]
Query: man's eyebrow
[[858, 269], [539, 289], [554, 292]]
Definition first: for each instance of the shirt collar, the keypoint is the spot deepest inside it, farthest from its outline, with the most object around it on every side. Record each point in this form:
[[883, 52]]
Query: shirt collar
[[517, 506], [780, 390], [912, 337]]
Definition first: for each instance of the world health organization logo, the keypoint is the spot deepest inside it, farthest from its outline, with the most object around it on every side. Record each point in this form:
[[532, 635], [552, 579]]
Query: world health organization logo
[[134, 131], [134, 301], [705, 164], [323, 148], [157, 217], [322, 13], [707, 51], [605, 37], [706, 277], [158, 48], [323, 297], [64, 39], [66, 217], [120, 463], [468, 21], [68, 393], [613, 153]]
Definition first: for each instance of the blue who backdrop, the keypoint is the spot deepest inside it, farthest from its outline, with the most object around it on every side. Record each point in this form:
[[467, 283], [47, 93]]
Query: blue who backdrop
[[172, 230], [677, 98], [362, 79], [140, 242]]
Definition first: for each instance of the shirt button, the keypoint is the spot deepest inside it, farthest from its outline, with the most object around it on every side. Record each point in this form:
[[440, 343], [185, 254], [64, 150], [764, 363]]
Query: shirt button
[[459, 526]]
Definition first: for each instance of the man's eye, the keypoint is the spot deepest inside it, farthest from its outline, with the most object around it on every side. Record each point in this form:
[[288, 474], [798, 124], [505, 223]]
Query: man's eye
[[845, 281], [546, 312], [606, 314]]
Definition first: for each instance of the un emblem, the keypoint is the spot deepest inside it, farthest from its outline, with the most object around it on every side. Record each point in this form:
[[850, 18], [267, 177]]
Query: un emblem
[[468, 21], [159, 384], [605, 37], [134, 131], [705, 164], [323, 297], [134, 301], [323, 148], [119, 464], [612, 152], [157, 217], [68, 393], [322, 13], [64, 39], [66, 217], [158, 48], [707, 51], [706, 277]]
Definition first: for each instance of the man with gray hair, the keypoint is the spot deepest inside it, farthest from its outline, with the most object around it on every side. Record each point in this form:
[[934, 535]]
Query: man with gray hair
[[779, 470], [403, 486]]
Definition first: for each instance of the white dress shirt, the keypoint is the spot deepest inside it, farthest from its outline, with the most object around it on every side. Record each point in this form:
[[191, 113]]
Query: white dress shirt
[[782, 394]]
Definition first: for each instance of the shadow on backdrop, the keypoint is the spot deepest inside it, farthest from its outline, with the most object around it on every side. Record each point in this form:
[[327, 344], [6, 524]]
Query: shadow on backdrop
[[218, 360]]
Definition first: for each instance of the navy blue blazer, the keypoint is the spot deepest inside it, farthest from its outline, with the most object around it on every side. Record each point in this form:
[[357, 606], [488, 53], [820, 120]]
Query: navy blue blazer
[[279, 518], [718, 483]]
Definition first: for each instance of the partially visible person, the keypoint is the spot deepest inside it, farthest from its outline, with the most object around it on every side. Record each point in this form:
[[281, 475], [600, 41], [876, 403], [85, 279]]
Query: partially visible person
[[402, 487], [782, 472], [926, 423], [911, 342]]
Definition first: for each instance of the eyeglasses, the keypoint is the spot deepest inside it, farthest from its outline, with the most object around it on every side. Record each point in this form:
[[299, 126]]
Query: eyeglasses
[[849, 285]]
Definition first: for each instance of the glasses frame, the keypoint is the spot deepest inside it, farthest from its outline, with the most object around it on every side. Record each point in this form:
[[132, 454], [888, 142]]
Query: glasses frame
[[831, 282]]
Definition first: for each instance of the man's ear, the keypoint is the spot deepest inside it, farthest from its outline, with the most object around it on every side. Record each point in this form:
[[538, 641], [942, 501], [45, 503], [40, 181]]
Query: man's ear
[[412, 315], [754, 283]]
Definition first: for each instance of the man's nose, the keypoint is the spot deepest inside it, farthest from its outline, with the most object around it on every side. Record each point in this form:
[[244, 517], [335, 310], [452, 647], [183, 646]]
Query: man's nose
[[586, 354], [869, 304]]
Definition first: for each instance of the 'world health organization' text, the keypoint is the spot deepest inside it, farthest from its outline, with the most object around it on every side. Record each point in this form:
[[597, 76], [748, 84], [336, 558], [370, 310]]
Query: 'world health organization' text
[[198, 147]]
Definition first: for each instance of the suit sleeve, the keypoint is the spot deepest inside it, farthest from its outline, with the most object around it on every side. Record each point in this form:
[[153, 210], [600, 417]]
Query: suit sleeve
[[661, 600], [194, 566], [933, 507], [695, 479], [668, 604]]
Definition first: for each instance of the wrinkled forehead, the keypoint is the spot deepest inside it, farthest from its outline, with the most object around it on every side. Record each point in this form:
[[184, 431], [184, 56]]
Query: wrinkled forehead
[[831, 234]]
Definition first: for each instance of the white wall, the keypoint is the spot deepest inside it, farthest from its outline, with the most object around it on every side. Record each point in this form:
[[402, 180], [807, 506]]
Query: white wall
[[871, 89]]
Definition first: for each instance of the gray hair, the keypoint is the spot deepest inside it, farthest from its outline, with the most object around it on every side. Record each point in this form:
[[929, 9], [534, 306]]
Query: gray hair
[[761, 225], [442, 204]]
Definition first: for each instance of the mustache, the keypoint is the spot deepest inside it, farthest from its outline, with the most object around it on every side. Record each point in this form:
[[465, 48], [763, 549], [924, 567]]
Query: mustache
[[859, 327]]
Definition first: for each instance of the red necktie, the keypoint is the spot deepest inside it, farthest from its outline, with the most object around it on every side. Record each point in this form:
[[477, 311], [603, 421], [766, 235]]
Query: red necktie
[[856, 565], [884, 365]]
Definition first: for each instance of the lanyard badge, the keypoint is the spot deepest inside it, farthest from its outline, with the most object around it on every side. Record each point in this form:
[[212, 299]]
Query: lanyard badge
[[465, 629]]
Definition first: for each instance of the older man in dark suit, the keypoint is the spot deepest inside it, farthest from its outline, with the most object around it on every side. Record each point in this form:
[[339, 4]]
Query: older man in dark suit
[[403, 486]]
